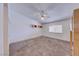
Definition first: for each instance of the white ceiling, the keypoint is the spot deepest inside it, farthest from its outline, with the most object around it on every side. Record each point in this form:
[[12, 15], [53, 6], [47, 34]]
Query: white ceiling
[[56, 11]]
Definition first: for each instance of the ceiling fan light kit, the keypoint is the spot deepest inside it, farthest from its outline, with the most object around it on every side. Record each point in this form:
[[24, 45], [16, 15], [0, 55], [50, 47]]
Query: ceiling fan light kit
[[43, 15], [42, 18]]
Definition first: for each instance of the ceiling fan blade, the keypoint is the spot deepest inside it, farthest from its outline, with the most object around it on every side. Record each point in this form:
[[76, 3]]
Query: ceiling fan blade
[[41, 14]]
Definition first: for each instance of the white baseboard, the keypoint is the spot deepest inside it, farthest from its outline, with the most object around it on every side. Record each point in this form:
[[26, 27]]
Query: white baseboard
[[25, 38], [55, 37], [30, 37]]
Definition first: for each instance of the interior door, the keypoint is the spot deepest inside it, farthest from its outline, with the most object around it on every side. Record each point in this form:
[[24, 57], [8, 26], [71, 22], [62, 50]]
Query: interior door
[[76, 32]]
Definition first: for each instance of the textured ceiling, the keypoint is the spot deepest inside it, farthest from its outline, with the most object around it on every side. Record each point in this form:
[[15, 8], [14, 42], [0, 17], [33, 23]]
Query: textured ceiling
[[56, 11]]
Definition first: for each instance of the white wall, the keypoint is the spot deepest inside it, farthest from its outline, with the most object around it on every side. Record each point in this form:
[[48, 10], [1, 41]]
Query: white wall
[[20, 27], [1, 31], [63, 36]]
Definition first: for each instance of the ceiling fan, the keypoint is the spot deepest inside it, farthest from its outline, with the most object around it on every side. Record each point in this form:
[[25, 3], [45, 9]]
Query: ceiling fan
[[43, 15]]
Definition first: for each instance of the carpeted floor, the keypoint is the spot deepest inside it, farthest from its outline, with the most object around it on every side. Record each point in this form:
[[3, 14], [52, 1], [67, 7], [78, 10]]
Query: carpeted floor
[[40, 46]]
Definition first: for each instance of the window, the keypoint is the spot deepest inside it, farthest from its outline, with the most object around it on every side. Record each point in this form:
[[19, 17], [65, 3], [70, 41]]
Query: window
[[55, 28]]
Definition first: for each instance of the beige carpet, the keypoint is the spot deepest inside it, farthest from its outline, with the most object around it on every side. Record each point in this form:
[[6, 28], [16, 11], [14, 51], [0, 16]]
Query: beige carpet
[[40, 46]]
